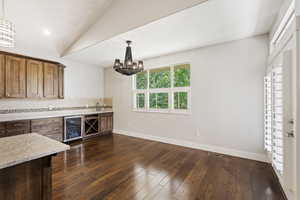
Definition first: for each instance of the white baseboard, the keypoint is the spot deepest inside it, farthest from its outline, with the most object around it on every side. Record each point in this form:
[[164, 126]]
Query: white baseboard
[[211, 148]]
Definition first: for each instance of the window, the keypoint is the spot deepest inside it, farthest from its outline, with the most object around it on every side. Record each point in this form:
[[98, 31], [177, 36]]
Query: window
[[180, 100], [165, 89], [160, 78], [159, 100], [140, 100], [142, 80]]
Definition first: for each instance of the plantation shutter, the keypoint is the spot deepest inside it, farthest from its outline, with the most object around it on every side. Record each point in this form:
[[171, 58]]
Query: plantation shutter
[[268, 112], [277, 119]]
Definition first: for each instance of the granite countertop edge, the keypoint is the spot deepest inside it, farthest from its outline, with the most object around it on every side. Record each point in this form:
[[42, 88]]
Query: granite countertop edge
[[59, 147]]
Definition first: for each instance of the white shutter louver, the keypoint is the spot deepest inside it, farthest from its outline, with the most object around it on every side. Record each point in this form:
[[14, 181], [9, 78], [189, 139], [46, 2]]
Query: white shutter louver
[[277, 120], [268, 112]]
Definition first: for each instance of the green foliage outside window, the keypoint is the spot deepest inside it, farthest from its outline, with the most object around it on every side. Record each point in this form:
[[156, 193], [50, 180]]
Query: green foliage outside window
[[181, 100], [159, 100], [182, 75], [160, 78], [141, 80], [140, 100]]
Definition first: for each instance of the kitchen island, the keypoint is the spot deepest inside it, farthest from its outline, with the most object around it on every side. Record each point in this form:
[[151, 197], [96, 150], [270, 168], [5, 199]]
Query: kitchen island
[[25, 166]]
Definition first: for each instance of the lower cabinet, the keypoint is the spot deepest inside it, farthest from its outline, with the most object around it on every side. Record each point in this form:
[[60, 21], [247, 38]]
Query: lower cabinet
[[98, 124], [106, 122], [54, 127], [2, 130], [50, 127], [17, 128]]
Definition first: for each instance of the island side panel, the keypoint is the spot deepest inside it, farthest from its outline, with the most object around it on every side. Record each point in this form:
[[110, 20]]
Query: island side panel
[[31, 180]]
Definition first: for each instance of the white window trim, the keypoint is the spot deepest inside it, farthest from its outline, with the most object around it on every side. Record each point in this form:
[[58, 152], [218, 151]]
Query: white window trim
[[170, 91]]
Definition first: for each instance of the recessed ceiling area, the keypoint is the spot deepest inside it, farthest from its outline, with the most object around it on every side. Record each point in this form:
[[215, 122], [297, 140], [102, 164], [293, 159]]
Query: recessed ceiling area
[[212, 22]]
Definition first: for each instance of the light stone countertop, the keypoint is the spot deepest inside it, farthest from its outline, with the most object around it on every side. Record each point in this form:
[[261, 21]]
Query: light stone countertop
[[22, 148], [48, 114]]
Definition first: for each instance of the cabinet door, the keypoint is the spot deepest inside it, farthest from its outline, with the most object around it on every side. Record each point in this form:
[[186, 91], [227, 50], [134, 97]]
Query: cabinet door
[[50, 80], [17, 127], [2, 76], [110, 123], [51, 127], [34, 74], [2, 130], [103, 123], [106, 122], [61, 82], [15, 77]]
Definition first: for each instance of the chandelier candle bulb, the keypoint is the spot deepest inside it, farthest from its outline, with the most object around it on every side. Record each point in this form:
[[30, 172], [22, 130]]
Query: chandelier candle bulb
[[129, 67]]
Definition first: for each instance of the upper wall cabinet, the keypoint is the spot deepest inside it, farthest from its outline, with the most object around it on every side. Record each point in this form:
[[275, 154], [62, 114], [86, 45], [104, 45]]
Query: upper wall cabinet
[[61, 81], [15, 77], [2, 76], [26, 77], [50, 80], [34, 77]]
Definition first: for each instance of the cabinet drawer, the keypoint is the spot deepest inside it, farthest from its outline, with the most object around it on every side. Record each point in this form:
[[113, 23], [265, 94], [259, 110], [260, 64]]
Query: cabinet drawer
[[106, 114], [2, 133], [2, 126], [16, 132], [16, 125], [17, 128], [51, 127], [45, 122]]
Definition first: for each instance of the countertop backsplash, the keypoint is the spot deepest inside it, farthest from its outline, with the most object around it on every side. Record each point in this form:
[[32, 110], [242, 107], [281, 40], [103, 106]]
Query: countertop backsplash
[[24, 105]]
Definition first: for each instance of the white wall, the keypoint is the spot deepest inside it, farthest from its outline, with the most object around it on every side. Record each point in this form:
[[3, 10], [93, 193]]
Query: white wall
[[84, 84], [297, 8], [227, 99]]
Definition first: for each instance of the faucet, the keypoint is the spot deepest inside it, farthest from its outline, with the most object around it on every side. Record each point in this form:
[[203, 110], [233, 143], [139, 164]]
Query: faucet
[[98, 108]]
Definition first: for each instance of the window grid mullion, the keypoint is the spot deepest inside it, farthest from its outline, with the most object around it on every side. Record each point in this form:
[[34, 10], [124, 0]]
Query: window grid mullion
[[170, 91]]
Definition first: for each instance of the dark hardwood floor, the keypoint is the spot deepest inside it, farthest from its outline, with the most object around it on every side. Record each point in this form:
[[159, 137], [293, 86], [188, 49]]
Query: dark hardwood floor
[[120, 167]]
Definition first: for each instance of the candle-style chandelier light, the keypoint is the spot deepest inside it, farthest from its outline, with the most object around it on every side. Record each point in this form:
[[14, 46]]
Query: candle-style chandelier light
[[129, 67]]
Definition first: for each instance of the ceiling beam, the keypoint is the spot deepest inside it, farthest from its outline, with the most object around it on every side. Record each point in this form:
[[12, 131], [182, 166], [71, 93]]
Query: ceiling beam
[[125, 15]]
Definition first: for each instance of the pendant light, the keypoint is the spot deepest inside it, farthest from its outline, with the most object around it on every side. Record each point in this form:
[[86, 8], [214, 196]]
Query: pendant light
[[129, 67], [7, 30]]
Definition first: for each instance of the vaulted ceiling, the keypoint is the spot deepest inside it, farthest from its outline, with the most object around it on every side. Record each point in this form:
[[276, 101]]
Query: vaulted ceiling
[[213, 22], [94, 31]]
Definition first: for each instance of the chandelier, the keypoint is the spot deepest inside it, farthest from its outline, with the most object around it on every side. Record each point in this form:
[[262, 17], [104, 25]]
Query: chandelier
[[7, 31], [129, 67]]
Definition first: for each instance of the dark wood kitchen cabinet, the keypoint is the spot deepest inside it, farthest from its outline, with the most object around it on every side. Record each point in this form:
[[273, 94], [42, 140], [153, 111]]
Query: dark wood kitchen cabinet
[[106, 122], [61, 71], [50, 127], [2, 76], [2, 130], [34, 79], [17, 127], [15, 77], [50, 80], [27, 77]]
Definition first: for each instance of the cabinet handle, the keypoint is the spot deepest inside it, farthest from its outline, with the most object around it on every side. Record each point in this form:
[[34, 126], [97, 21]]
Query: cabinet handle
[[8, 94], [291, 134]]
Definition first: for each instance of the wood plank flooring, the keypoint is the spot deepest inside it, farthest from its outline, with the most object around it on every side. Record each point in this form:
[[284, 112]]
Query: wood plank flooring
[[120, 167]]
